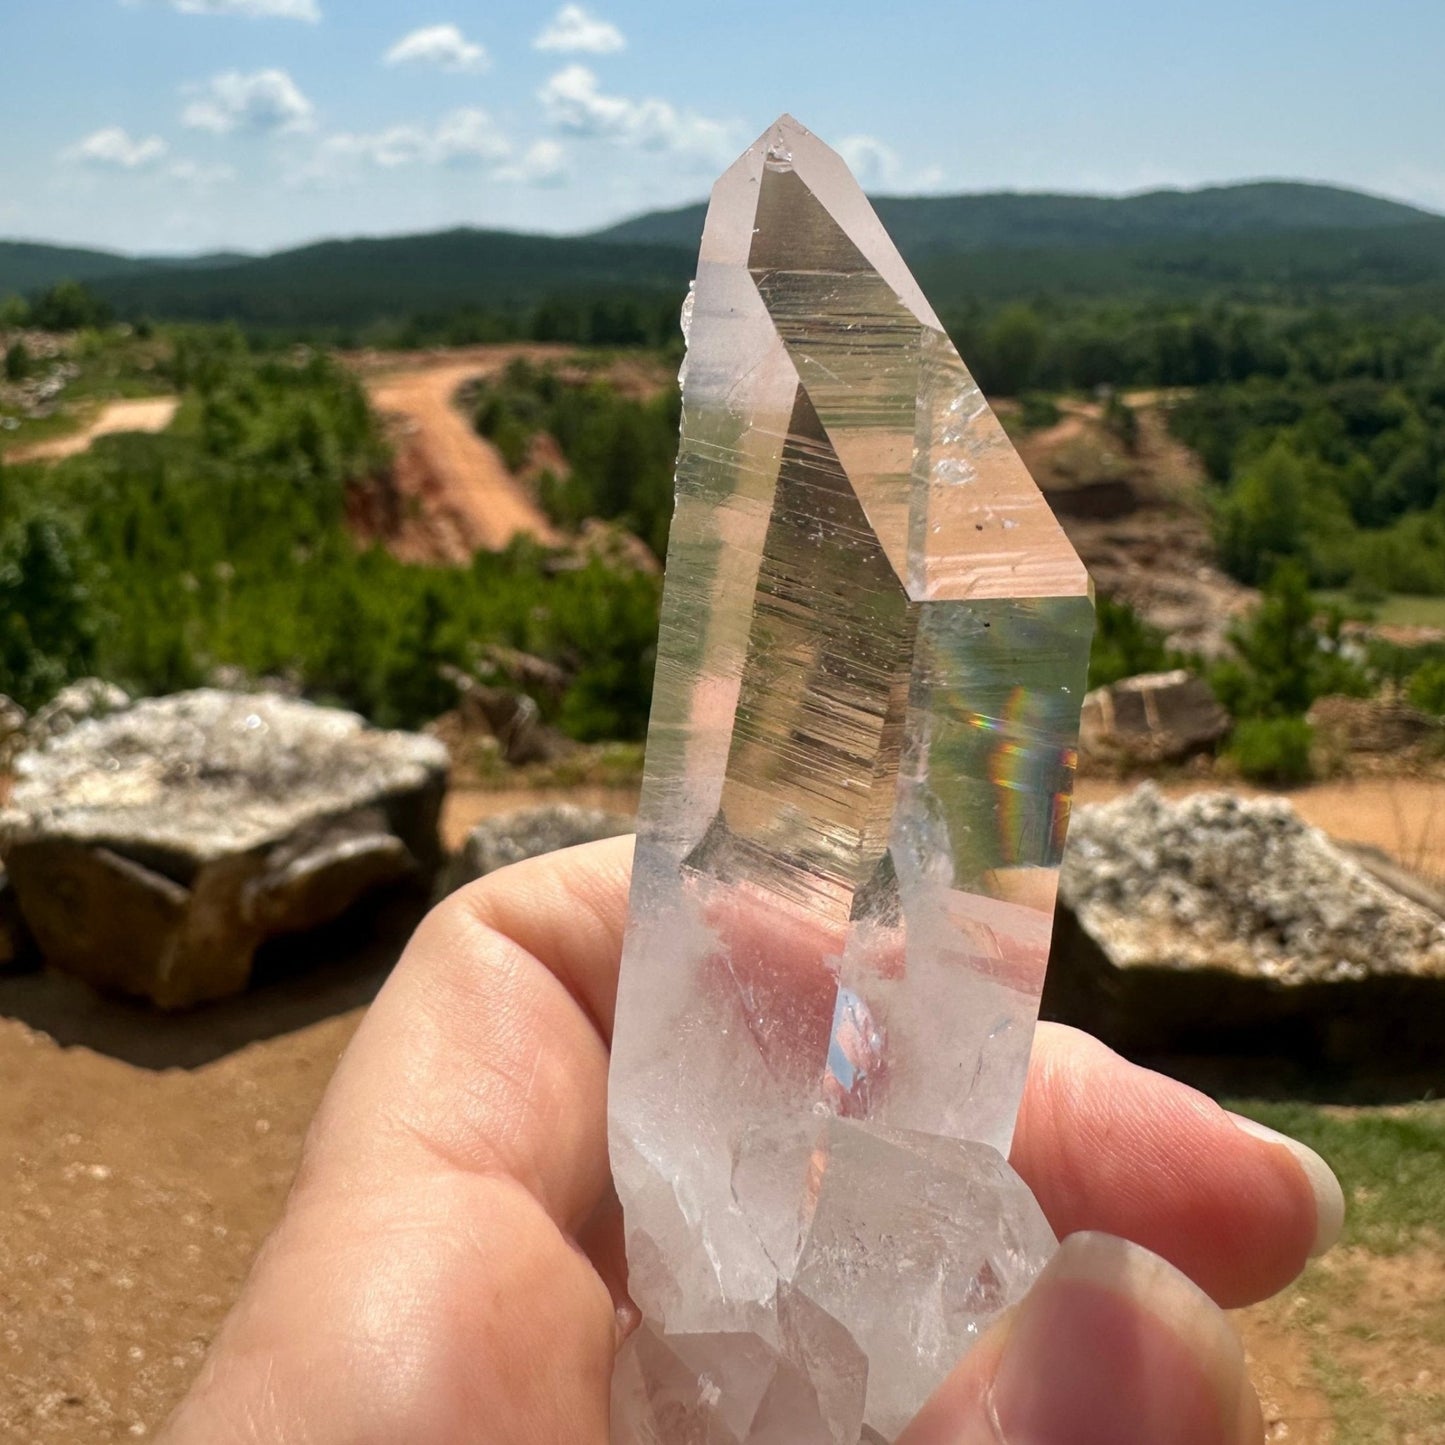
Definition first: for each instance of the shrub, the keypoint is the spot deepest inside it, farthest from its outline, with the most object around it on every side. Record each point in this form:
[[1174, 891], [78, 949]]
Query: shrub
[[17, 361], [1037, 410], [1124, 644], [620, 452], [1426, 688], [1274, 750], [1120, 419], [48, 619]]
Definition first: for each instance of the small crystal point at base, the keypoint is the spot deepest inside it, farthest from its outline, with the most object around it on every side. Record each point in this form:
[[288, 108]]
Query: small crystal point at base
[[909, 1245]]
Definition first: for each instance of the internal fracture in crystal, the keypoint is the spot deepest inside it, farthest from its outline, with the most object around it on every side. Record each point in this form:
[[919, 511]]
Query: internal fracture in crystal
[[872, 660]]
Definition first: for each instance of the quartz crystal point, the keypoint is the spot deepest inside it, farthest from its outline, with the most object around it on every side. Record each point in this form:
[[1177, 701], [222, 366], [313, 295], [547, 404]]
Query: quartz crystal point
[[863, 737]]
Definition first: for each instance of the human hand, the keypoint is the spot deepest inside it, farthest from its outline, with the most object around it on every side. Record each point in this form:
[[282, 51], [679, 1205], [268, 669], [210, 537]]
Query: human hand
[[449, 1266]]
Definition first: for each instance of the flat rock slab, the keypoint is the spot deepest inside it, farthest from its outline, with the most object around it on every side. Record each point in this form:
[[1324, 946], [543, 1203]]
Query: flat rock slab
[[1219, 922], [1156, 717], [154, 849]]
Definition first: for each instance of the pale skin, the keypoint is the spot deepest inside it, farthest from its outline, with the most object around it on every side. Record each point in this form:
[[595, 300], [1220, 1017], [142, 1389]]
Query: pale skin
[[448, 1268]]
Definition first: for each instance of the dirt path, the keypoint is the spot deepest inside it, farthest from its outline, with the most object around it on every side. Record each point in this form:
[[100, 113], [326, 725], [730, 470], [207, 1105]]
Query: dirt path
[[152, 413], [456, 495]]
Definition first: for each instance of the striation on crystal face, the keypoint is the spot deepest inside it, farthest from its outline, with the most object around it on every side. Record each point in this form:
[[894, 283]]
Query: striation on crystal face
[[863, 736]]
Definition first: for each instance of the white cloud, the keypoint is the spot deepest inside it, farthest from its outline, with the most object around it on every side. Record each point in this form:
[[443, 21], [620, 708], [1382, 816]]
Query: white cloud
[[543, 163], [872, 162], [572, 29], [573, 103], [468, 135], [441, 45], [114, 148], [199, 175], [463, 137], [254, 9], [877, 166], [267, 101]]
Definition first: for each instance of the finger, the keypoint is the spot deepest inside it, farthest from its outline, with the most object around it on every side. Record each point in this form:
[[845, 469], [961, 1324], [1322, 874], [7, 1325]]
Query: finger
[[1111, 1346], [1106, 1145], [483, 1051]]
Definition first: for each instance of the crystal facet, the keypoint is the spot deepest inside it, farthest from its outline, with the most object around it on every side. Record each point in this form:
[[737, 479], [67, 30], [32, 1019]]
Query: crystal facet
[[874, 642]]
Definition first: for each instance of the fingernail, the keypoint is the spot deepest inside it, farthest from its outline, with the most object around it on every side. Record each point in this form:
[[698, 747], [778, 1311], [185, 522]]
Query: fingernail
[[1113, 1344], [1329, 1197]]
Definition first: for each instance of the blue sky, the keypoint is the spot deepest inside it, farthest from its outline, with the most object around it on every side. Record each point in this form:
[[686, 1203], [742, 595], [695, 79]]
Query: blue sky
[[178, 125]]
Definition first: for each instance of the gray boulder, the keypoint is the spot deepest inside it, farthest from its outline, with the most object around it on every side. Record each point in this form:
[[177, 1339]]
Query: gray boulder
[[1157, 717], [528, 832], [152, 850], [1218, 922]]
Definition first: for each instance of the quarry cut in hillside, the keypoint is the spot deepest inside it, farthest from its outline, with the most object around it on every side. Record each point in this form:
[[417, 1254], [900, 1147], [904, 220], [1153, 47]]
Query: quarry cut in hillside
[[1137, 517]]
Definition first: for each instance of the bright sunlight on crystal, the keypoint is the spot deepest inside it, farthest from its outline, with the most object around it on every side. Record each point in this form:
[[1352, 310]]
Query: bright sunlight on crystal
[[864, 727]]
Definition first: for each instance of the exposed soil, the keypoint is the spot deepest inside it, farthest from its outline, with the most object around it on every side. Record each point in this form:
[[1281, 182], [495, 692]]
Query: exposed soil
[[1138, 520], [152, 413], [450, 494]]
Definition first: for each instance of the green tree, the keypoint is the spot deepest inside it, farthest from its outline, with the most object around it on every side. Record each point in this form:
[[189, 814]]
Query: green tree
[[1011, 350], [1283, 661], [68, 306], [1261, 521]]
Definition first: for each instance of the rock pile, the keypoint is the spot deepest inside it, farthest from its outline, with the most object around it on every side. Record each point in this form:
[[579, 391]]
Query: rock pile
[[153, 849], [1218, 921]]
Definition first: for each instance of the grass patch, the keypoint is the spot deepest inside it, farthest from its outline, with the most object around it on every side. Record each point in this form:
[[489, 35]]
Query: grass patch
[[1397, 610], [1369, 1315]]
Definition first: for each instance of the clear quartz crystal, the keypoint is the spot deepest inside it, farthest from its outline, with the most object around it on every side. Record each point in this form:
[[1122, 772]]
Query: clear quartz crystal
[[874, 642]]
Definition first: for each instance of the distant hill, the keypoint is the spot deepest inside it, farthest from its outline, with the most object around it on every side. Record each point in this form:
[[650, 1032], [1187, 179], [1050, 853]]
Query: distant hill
[[353, 282], [29, 266], [1020, 220], [1265, 240]]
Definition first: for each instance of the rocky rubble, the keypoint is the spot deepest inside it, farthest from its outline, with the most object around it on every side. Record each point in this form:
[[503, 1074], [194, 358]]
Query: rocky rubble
[[153, 849], [527, 833], [1218, 921]]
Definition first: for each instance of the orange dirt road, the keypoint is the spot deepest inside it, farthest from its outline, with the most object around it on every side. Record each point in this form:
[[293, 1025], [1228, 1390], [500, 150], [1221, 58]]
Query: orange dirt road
[[152, 413], [467, 500]]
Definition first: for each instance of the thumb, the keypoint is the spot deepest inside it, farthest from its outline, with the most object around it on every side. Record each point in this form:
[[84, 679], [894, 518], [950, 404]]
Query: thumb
[[1111, 1346]]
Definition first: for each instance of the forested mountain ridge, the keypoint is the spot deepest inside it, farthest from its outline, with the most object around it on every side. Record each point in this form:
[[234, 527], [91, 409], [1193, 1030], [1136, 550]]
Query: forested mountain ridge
[[1022, 219], [1268, 235], [27, 266]]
